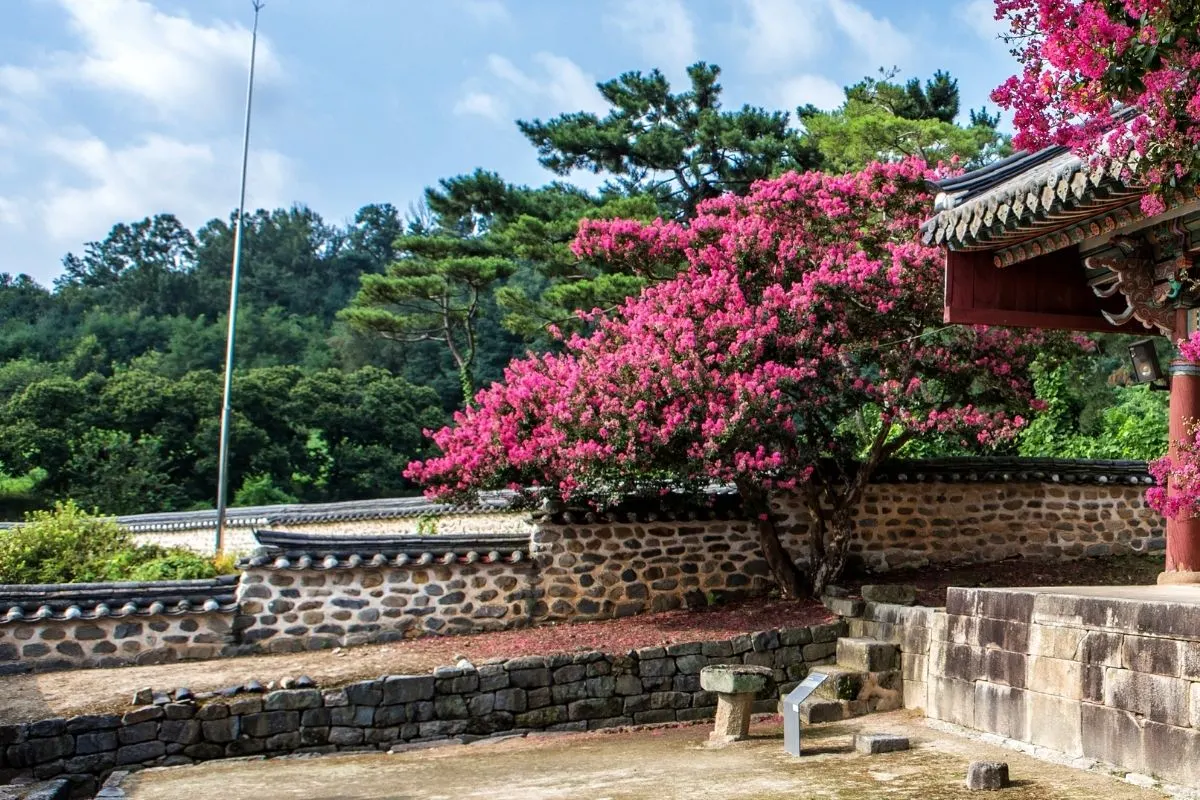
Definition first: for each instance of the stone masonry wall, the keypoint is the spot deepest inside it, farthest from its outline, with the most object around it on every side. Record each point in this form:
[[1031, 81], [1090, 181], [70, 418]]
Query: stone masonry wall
[[290, 610], [600, 571], [58, 644], [911, 525], [1107, 675], [566, 692]]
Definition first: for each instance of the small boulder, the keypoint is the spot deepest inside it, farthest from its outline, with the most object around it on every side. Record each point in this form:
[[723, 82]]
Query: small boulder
[[184, 695], [987, 776], [879, 743], [896, 593], [305, 682], [286, 683], [253, 687], [143, 697]]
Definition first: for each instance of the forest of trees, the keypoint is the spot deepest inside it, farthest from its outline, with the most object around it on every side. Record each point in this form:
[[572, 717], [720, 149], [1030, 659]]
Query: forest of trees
[[355, 338]]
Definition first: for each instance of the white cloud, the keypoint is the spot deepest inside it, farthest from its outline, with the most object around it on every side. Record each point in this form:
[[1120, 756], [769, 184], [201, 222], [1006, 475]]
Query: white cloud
[[158, 173], [781, 33], [875, 36], [63, 182], [980, 16], [555, 85], [661, 29], [480, 104], [487, 12], [19, 81], [173, 63], [816, 89]]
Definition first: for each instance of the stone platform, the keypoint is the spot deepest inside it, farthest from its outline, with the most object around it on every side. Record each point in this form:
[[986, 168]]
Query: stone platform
[[1107, 674]]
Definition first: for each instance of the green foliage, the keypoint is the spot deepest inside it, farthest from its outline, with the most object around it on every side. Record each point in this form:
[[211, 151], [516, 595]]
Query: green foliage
[[65, 545], [68, 545], [679, 147], [886, 121], [1090, 414], [260, 490]]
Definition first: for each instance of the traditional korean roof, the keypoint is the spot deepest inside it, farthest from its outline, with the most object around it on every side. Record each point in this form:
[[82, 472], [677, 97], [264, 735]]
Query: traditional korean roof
[[284, 550], [312, 513], [1013, 470], [84, 601], [1024, 197]]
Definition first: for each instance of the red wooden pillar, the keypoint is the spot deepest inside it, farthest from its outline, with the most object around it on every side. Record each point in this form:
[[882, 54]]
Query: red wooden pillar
[[1183, 536]]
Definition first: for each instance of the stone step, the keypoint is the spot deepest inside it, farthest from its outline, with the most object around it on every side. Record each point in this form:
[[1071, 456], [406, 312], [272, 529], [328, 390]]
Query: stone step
[[882, 691], [867, 655]]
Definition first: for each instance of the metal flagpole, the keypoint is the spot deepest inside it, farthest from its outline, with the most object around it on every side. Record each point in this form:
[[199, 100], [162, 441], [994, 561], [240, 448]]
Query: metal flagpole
[[222, 471]]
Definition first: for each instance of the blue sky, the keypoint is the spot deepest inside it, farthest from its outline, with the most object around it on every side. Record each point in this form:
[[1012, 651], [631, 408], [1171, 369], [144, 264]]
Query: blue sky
[[112, 110]]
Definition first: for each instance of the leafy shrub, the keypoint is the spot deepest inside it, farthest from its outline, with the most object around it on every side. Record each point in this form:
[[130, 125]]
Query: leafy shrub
[[63, 545], [68, 545]]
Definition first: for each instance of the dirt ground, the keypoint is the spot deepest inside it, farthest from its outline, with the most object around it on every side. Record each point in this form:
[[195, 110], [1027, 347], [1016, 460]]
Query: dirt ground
[[36, 696], [663, 764]]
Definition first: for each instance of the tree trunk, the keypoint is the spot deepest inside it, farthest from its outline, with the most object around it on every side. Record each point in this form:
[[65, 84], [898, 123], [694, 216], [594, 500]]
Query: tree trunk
[[792, 584], [829, 568]]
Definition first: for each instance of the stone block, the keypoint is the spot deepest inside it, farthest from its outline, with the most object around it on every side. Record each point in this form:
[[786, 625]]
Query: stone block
[[844, 606], [813, 712], [529, 678], [345, 736], [319, 717], [492, 677], [142, 732], [1151, 654], [895, 594], [729, 679], [365, 693], [1002, 666], [1001, 710], [915, 694], [541, 717], [1171, 753], [1052, 641], [595, 708], [88, 724], [221, 730], [1113, 736], [145, 714], [410, 688], [656, 667], [987, 776], [829, 632], [450, 707], [819, 651], [952, 701], [1055, 676], [1055, 722], [98, 742], [867, 655], [788, 637], [1156, 697], [1101, 648], [872, 743], [269, 723], [461, 684], [180, 731], [292, 700], [510, 700], [141, 752]]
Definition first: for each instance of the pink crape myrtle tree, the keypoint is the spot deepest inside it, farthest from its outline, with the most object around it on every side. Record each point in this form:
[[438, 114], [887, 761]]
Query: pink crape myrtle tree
[[800, 345], [1112, 79]]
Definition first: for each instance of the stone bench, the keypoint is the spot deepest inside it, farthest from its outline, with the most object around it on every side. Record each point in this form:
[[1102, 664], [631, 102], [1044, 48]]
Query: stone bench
[[736, 686]]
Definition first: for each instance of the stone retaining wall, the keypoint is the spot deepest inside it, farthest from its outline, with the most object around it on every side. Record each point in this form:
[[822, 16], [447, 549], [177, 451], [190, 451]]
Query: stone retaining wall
[[1096, 675], [578, 692]]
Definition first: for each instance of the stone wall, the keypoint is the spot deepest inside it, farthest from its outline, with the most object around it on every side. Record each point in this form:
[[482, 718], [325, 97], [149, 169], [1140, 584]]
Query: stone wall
[[104, 625], [1096, 675], [566, 692]]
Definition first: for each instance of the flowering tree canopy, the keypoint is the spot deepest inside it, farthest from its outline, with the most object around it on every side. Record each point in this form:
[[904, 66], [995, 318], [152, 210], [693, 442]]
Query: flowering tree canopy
[[1085, 59], [800, 345]]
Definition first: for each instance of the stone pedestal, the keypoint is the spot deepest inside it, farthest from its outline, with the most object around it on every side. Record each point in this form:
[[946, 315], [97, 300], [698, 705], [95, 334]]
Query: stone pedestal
[[736, 686], [1183, 535]]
